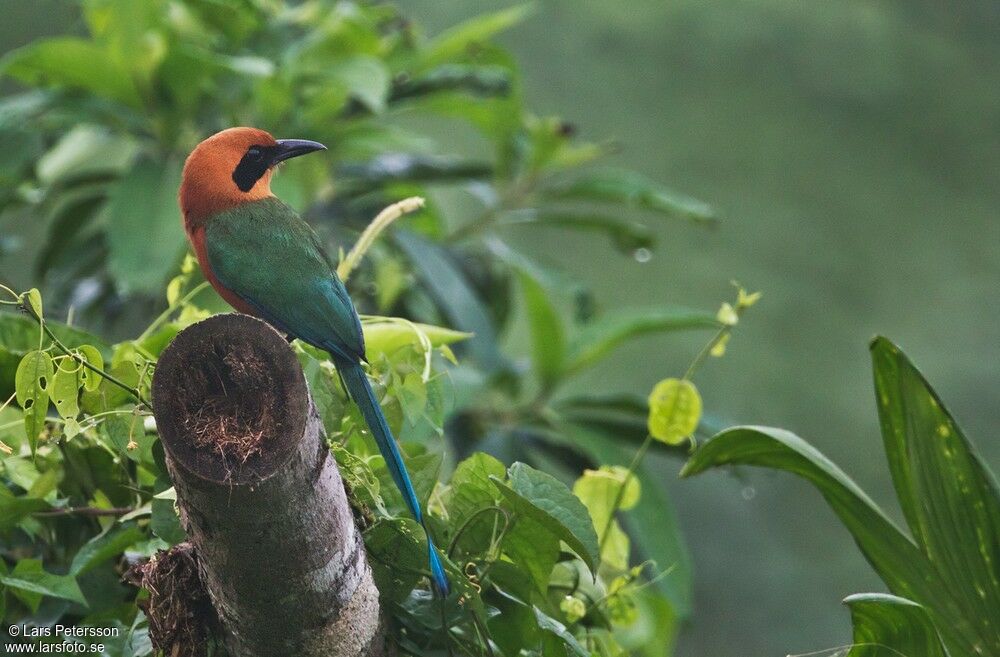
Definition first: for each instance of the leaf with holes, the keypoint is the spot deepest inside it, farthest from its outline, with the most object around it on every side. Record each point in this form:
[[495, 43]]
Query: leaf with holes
[[31, 383], [65, 388]]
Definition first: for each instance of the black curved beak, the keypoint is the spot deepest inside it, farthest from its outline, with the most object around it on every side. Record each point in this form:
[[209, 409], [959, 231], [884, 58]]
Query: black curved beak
[[286, 149]]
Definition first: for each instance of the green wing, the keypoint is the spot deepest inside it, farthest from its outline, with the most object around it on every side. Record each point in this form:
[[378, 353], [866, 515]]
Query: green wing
[[272, 259]]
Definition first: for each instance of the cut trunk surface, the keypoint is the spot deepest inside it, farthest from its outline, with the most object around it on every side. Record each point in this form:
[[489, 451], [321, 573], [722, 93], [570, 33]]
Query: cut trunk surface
[[260, 495]]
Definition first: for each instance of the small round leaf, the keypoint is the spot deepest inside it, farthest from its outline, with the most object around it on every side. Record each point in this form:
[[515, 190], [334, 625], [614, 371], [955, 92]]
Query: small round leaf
[[674, 410]]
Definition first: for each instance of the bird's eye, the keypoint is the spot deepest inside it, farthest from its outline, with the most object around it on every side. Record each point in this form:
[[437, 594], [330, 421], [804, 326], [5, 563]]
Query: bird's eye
[[255, 153]]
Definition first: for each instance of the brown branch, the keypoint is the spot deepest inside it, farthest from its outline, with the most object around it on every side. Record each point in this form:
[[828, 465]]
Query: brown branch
[[260, 495]]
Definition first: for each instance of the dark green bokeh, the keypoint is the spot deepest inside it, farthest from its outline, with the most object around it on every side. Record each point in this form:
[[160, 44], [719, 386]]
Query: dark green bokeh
[[852, 148]]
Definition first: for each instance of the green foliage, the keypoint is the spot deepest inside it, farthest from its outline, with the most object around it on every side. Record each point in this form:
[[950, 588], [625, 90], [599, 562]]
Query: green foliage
[[946, 572], [113, 114]]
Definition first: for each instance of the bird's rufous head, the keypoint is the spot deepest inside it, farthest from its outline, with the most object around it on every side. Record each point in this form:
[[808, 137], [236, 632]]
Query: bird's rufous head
[[232, 167]]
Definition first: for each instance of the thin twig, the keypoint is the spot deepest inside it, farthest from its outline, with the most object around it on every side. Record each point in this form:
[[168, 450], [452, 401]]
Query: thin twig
[[82, 361]]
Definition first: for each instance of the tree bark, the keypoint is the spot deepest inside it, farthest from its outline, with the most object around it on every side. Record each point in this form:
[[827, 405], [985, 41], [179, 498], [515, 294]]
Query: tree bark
[[261, 497]]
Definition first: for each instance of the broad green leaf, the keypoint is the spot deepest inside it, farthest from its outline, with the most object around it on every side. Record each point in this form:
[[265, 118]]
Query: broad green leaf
[[32, 383], [674, 410], [65, 389], [144, 239], [558, 630], [888, 626], [897, 559], [597, 338], [74, 63], [532, 547], [385, 335], [365, 78], [73, 155], [632, 189], [548, 501], [21, 471], [398, 556], [28, 575], [514, 628], [547, 339], [454, 295], [471, 487], [947, 493], [453, 43], [105, 546], [128, 30], [13, 509]]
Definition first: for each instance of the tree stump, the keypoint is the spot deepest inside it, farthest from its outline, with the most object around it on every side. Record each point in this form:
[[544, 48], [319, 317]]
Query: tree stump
[[260, 495]]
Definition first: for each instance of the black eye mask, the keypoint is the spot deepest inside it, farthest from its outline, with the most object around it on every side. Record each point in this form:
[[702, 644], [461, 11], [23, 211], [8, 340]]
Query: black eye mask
[[254, 164]]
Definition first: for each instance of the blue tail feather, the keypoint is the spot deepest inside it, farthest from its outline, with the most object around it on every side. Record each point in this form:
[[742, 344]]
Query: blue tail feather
[[361, 392]]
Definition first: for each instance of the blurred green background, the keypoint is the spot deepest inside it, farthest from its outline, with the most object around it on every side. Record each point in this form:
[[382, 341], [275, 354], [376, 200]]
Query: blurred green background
[[853, 149]]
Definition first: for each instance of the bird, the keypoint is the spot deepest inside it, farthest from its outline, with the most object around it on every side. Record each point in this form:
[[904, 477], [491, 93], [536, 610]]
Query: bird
[[266, 261]]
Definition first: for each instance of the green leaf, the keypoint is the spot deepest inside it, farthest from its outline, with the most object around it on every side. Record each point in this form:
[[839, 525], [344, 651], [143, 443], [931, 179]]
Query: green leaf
[[532, 547], [632, 189], [398, 556], [599, 490], [453, 294], [34, 299], [455, 42], [164, 520], [28, 575], [627, 236], [19, 335], [65, 389], [145, 246], [13, 509], [948, 495], [472, 488], [674, 410], [73, 155], [365, 78], [91, 379], [386, 335], [597, 338], [888, 626], [423, 469], [653, 523], [32, 382], [896, 559], [547, 339], [515, 628], [23, 147], [548, 501], [104, 546], [74, 63], [558, 630]]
